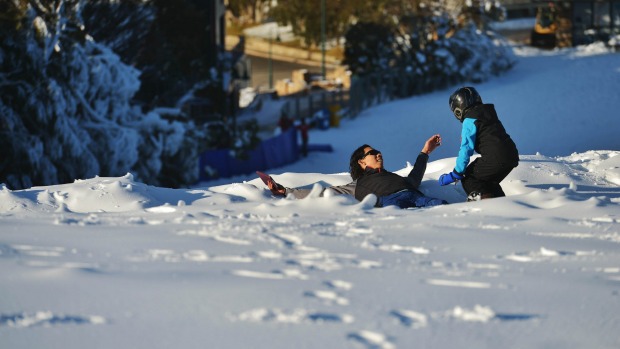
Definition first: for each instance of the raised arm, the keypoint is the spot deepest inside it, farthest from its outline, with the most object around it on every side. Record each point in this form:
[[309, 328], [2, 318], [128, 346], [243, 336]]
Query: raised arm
[[431, 144], [419, 168]]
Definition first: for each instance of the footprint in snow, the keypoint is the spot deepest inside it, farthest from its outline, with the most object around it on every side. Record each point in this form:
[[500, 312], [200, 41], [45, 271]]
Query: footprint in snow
[[410, 318], [47, 318], [328, 297], [458, 283], [543, 254], [339, 285], [395, 248], [294, 316], [285, 274], [478, 313], [484, 314], [372, 340]]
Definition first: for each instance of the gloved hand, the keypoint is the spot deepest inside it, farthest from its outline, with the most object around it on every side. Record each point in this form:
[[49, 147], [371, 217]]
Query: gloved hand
[[448, 178]]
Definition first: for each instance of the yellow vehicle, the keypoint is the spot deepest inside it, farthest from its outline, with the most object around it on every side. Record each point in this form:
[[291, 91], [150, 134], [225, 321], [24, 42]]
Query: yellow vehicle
[[546, 27]]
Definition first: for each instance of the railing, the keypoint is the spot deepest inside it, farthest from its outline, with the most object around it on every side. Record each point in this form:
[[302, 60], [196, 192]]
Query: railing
[[364, 92]]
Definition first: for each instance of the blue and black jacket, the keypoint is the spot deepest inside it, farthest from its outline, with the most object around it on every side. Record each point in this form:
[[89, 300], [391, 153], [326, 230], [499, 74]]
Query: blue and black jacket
[[483, 133]]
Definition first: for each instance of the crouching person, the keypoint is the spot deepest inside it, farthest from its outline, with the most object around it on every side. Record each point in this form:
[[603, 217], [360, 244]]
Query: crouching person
[[483, 133]]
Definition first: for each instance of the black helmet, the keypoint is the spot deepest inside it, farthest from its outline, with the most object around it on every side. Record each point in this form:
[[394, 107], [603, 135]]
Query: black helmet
[[462, 99]]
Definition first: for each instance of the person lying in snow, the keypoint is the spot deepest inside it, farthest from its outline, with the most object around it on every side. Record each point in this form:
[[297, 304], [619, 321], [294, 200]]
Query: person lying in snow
[[483, 133], [370, 177]]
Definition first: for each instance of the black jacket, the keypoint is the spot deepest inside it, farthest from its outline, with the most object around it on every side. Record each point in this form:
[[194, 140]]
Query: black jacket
[[382, 182], [492, 141]]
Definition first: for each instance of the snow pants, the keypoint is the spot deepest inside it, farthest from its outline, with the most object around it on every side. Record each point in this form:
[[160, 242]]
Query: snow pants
[[484, 176], [408, 198]]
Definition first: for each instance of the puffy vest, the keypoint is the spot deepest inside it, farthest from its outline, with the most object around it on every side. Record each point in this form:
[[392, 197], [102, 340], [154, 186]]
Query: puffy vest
[[492, 141]]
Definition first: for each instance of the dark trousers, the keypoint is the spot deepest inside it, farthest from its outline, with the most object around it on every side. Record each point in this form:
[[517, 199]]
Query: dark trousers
[[406, 199], [484, 176]]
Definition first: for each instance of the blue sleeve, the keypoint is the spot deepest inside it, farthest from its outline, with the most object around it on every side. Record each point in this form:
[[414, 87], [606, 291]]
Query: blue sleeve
[[468, 140]]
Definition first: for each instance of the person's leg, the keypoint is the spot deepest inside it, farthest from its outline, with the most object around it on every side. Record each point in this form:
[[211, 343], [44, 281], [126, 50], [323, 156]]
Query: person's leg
[[407, 199], [495, 189], [397, 199], [425, 201], [483, 177], [471, 183]]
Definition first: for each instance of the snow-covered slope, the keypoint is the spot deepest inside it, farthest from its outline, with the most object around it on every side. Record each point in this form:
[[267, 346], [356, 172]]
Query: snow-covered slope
[[114, 263]]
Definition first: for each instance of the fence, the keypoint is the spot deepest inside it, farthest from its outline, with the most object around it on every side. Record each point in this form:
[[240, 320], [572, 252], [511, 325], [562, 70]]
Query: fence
[[364, 92], [274, 152], [306, 105]]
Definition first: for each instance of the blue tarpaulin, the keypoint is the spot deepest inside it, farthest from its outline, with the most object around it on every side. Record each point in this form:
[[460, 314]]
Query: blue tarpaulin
[[271, 153]]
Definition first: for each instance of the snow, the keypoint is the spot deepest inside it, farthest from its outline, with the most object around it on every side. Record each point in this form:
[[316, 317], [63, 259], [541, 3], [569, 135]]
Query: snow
[[109, 262], [271, 30]]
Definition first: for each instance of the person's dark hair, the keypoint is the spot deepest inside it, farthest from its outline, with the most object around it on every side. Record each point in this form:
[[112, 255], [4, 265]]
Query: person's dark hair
[[354, 168]]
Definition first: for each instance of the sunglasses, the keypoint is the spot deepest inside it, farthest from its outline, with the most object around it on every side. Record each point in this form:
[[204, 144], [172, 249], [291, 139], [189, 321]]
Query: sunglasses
[[371, 152]]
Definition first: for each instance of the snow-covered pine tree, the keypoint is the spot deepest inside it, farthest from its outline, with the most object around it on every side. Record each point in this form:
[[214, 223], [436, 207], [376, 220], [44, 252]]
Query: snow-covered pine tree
[[437, 45], [120, 25], [65, 102], [35, 104]]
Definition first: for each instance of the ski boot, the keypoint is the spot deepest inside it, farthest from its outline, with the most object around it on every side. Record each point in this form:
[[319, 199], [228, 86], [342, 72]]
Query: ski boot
[[474, 196]]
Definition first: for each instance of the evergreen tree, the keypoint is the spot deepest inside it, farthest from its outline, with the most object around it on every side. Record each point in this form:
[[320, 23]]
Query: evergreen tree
[[120, 25], [239, 8], [369, 48], [176, 52], [39, 53], [65, 103], [426, 46], [305, 18]]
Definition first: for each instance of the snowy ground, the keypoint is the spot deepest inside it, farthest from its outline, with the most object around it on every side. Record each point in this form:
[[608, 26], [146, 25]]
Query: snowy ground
[[114, 263]]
